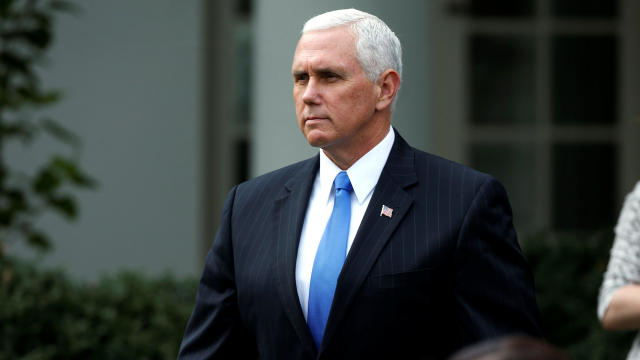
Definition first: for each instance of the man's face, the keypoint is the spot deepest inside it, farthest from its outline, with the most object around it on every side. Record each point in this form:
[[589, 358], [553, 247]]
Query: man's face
[[334, 99]]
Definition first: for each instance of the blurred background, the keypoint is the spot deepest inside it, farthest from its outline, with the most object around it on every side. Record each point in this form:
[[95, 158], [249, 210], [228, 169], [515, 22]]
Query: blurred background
[[175, 102]]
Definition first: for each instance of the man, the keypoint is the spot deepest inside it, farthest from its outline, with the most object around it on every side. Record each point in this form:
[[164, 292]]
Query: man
[[372, 249]]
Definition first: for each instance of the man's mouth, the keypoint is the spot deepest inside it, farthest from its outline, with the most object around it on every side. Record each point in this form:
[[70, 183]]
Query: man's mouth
[[315, 118]]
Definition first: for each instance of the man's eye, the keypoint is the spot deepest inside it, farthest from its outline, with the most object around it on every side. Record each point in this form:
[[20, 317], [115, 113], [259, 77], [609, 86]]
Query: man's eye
[[301, 78]]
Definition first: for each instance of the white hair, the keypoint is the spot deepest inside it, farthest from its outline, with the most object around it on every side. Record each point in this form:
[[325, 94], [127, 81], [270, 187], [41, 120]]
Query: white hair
[[377, 47]]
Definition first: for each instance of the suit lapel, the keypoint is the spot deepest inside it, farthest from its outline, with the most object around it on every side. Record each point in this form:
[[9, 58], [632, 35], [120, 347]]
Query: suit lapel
[[375, 229], [289, 212]]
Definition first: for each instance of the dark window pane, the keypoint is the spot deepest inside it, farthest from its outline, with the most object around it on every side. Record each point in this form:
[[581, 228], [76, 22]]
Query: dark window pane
[[584, 186], [585, 88], [502, 79], [514, 166], [603, 9], [242, 68], [244, 7], [501, 8], [241, 157]]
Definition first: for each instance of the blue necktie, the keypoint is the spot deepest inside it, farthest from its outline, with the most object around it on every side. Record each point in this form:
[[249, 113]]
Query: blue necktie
[[329, 259]]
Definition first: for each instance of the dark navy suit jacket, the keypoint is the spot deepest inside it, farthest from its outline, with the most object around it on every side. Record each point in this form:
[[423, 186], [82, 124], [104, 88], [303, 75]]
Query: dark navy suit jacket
[[444, 271]]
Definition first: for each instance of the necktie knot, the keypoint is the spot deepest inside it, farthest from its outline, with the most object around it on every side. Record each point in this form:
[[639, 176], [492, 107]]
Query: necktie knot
[[342, 182]]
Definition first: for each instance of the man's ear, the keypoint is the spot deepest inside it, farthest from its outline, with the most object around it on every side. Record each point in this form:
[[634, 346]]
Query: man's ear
[[388, 84]]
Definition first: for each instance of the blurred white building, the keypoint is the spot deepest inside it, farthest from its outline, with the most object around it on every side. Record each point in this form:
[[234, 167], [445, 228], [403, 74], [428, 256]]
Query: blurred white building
[[177, 101]]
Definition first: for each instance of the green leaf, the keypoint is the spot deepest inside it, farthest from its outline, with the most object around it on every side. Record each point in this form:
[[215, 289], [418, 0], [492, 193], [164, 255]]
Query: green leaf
[[72, 172], [65, 204], [14, 63], [21, 130], [38, 37], [34, 96], [46, 181], [17, 199], [60, 132], [39, 241], [14, 203]]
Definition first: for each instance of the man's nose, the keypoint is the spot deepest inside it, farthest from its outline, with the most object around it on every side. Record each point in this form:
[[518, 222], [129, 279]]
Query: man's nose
[[311, 92]]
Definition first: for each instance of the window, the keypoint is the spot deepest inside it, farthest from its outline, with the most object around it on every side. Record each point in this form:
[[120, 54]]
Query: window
[[547, 105]]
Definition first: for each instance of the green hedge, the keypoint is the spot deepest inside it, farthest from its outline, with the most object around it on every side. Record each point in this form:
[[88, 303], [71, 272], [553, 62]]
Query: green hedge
[[568, 272], [45, 315]]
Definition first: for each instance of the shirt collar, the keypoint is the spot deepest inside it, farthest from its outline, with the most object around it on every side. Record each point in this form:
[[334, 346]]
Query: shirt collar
[[363, 174]]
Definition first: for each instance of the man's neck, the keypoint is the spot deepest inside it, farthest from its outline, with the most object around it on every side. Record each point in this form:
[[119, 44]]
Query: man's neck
[[345, 157]]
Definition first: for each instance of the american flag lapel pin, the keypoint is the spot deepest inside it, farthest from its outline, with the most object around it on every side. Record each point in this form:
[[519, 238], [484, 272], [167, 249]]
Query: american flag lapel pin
[[386, 211]]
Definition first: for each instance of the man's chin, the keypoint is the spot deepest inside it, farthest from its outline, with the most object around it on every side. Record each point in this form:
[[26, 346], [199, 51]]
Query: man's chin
[[317, 140]]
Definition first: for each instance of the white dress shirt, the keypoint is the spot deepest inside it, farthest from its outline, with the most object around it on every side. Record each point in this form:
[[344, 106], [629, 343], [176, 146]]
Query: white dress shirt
[[363, 175]]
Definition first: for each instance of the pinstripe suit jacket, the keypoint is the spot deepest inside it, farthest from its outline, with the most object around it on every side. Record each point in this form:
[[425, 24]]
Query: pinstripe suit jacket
[[443, 272]]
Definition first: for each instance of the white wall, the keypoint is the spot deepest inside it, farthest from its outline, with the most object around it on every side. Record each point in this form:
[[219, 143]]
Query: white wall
[[277, 141], [130, 71]]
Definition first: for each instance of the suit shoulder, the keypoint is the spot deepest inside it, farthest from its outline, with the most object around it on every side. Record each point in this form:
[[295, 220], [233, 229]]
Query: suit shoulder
[[278, 177], [429, 163]]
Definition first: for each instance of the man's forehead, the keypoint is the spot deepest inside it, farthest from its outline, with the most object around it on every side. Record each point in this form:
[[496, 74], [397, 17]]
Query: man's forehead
[[325, 48], [316, 62]]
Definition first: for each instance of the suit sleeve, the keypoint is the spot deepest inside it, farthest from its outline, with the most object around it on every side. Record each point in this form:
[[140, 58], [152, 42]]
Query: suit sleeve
[[493, 286], [215, 330]]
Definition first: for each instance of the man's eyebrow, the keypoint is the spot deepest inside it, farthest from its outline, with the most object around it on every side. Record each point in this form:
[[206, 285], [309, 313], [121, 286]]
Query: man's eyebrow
[[321, 71], [328, 71]]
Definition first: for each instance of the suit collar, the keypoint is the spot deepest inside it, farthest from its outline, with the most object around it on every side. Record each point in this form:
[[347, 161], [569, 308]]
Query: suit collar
[[289, 211], [400, 165]]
